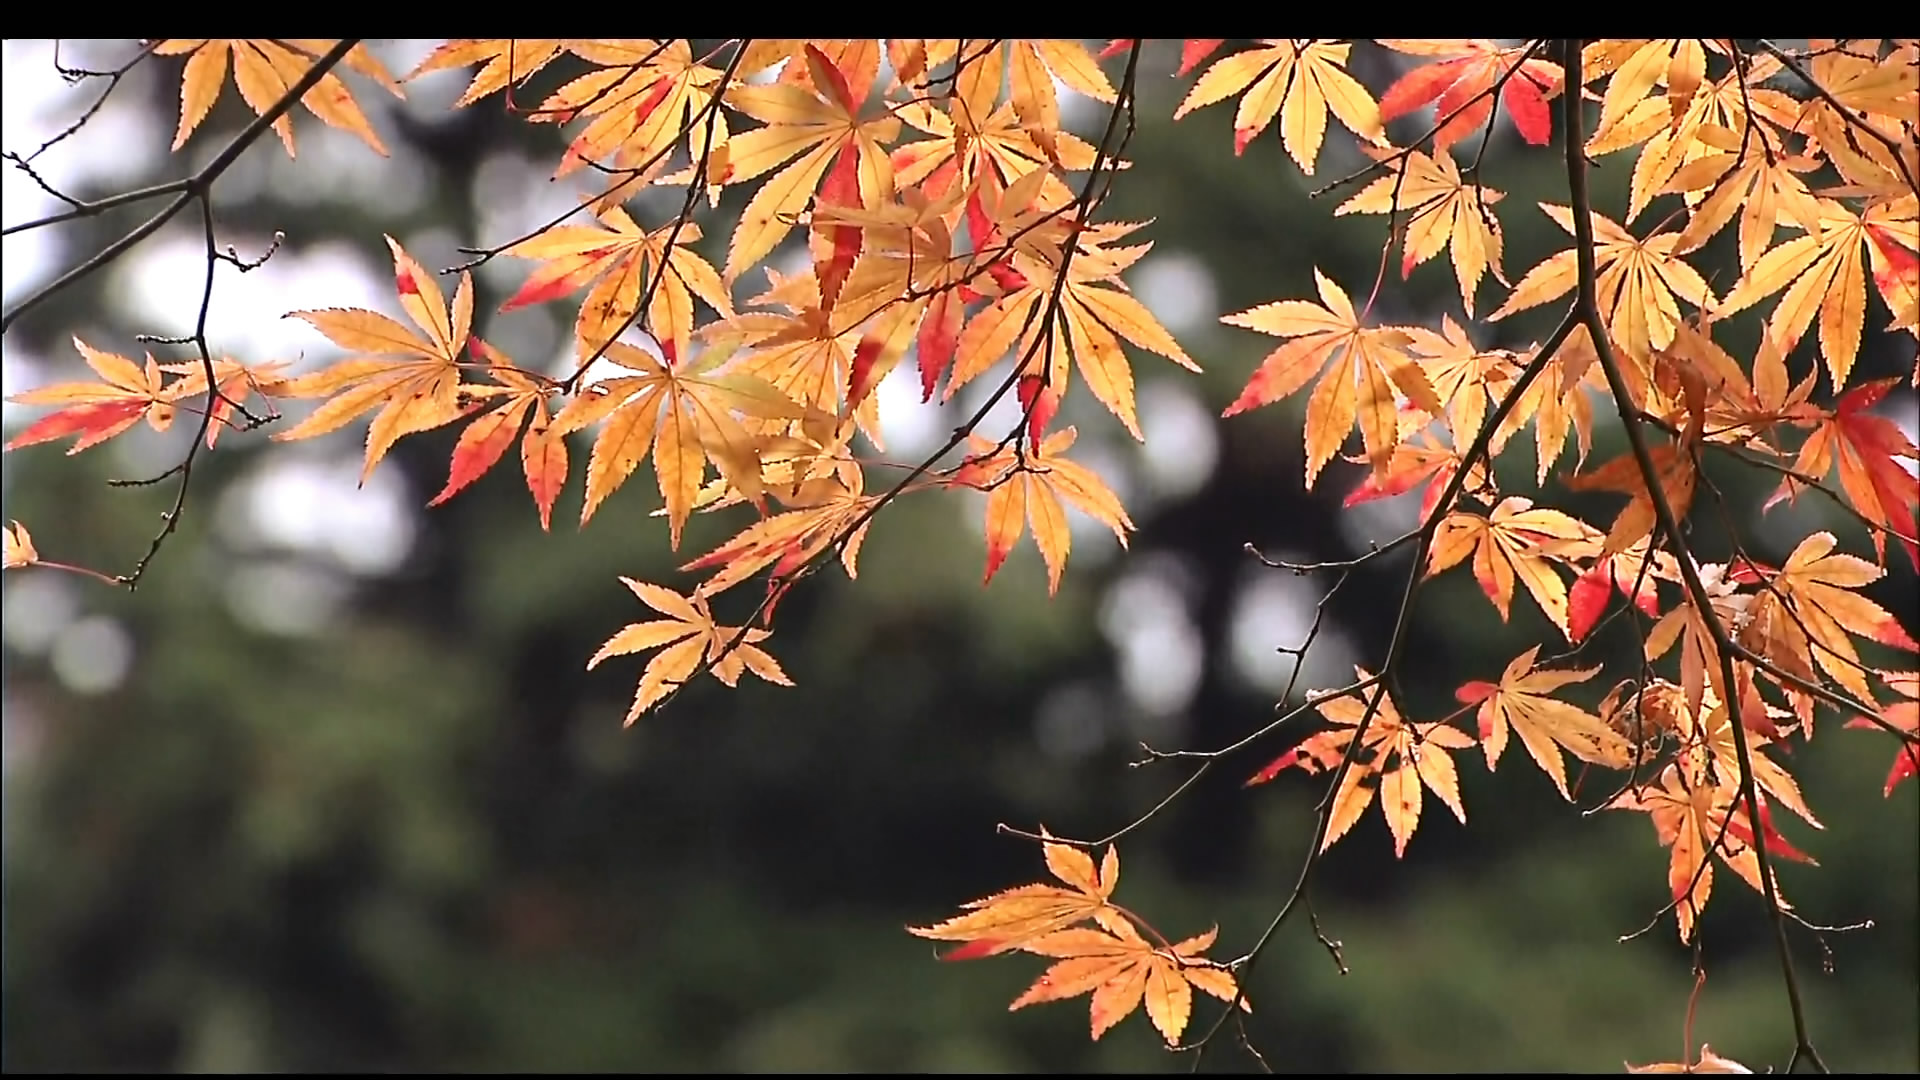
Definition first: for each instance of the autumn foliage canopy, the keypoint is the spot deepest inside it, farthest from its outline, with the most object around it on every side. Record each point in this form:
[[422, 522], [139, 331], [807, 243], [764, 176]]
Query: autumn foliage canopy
[[953, 223]]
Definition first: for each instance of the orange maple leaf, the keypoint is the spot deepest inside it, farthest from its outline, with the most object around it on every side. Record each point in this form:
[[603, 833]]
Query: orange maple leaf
[[1709, 1062], [1691, 819], [1364, 368], [824, 508], [1671, 462], [820, 125], [1419, 751], [1026, 490], [1522, 701], [1122, 969], [1016, 917], [265, 69], [415, 394], [96, 412], [690, 635], [543, 453], [1815, 589]]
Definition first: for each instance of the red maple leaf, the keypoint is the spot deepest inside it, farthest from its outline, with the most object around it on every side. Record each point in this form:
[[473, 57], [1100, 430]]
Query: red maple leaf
[[1474, 66]]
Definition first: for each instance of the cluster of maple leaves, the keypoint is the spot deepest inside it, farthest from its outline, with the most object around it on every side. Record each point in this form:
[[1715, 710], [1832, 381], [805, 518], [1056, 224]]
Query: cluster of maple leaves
[[949, 214]]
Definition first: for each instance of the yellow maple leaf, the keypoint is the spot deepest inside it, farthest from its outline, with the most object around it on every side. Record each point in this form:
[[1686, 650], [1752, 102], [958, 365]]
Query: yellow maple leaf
[[684, 415], [265, 69], [690, 636], [1523, 701], [1638, 282], [1364, 369], [1013, 918], [19, 547], [1520, 540], [1437, 210], [414, 394], [1824, 274], [1121, 970], [503, 62], [1299, 83]]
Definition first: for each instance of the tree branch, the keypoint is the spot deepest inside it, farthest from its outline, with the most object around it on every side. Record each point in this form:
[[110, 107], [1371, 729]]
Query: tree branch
[[1588, 306]]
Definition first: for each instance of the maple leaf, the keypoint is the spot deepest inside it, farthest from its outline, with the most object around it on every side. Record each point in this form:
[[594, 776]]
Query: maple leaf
[[827, 507], [1015, 918], [1878, 95], [1823, 273], [1814, 586], [619, 259], [504, 62], [1523, 701], [820, 127], [684, 414], [1638, 282], [96, 412], [1465, 378], [1122, 969], [1675, 468], [1193, 52], [1026, 491], [235, 382], [1709, 1062], [264, 70], [543, 453], [1440, 211], [1902, 715], [1707, 746], [690, 635], [1300, 84], [1736, 114], [1095, 313], [1468, 73], [1364, 369], [1617, 572], [1418, 750], [1864, 446], [20, 551], [638, 100], [1691, 819], [1761, 188], [1517, 540], [1029, 68], [414, 394]]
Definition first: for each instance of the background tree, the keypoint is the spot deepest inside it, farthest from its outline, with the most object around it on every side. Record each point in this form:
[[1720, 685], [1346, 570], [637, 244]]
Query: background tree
[[331, 790]]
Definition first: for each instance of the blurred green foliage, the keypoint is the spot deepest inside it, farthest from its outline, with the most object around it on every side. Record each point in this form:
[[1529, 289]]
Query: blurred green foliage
[[419, 839]]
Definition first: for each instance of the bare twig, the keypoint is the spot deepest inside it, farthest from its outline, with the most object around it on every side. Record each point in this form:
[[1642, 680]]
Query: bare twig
[[197, 186]]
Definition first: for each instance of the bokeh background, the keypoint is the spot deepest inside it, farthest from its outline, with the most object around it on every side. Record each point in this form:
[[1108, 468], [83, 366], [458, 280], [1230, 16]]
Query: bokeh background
[[333, 789]]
